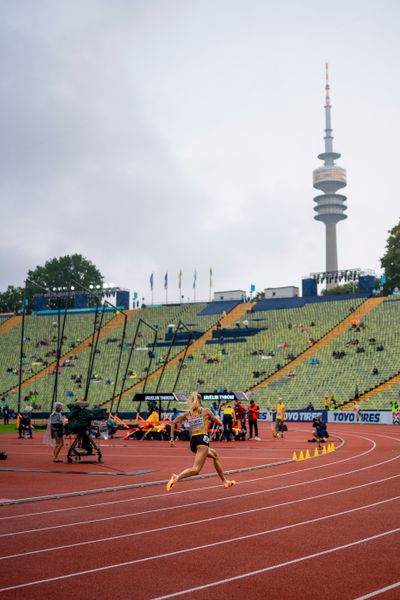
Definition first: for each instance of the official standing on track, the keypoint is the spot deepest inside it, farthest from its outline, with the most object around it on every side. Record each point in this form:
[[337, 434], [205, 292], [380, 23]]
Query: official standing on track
[[280, 418], [252, 416], [240, 415], [54, 434], [227, 421], [197, 419]]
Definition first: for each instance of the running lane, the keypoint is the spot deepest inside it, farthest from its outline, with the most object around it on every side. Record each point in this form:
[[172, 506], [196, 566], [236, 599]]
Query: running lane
[[268, 519]]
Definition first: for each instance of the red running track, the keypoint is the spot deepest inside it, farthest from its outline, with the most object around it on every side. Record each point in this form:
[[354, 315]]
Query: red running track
[[326, 527]]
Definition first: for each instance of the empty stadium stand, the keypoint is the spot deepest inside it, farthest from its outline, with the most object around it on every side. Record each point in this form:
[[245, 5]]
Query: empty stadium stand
[[301, 350]]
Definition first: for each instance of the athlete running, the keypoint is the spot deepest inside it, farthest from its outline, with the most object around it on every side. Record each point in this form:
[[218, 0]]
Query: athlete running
[[197, 420]]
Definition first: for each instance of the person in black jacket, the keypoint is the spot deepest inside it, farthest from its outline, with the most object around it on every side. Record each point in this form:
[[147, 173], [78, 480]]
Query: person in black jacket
[[321, 433], [25, 424]]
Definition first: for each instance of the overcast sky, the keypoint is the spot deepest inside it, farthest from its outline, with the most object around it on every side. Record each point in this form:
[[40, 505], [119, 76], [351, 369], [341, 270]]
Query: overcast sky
[[182, 134]]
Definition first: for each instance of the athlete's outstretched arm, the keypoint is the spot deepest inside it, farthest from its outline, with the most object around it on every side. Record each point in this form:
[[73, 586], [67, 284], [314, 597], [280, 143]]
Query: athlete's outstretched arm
[[178, 419], [211, 416]]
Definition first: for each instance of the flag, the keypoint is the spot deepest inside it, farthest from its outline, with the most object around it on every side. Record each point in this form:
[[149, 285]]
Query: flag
[[151, 281], [166, 281], [210, 277], [194, 279], [252, 287], [180, 279]]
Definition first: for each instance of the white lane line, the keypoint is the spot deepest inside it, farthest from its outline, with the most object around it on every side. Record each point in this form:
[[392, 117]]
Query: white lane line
[[213, 545], [279, 566], [191, 522], [377, 592], [255, 447], [200, 502], [211, 487], [225, 456]]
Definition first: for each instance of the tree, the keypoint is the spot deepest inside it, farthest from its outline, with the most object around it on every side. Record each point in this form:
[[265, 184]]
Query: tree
[[390, 262], [259, 296], [347, 288], [11, 299], [59, 272]]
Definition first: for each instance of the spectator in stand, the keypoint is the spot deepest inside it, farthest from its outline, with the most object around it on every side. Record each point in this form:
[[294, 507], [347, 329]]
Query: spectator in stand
[[375, 371], [326, 403], [252, 416], [240, 414]]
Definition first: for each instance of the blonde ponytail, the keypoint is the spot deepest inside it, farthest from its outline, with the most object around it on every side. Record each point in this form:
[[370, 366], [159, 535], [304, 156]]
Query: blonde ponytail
[[194, 401]]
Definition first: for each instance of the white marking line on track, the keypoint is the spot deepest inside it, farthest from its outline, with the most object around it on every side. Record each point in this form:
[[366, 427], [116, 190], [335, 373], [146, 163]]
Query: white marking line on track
[[225, 456], [286, 473], [381, 591], [214, 544], [278, 566], [176, 507], [191, 522], [198, 503], [211, 487]]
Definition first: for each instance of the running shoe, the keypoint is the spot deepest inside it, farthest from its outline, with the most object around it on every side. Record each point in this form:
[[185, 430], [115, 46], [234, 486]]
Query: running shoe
[[229, 483], [172, 482]]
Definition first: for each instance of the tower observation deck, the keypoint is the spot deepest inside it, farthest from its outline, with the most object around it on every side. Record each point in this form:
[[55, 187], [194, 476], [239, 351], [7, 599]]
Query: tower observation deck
[[330, 206]]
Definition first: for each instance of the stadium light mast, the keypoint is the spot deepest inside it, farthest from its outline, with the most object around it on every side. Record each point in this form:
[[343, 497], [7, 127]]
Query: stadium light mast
[[329, 179]]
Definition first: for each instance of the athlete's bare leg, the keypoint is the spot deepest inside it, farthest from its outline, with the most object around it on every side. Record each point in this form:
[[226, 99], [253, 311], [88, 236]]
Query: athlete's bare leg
[[199, 460], [217, 465], [202, 453]]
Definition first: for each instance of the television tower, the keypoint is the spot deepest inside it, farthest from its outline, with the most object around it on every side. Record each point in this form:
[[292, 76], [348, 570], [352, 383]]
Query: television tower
[[329, 179]]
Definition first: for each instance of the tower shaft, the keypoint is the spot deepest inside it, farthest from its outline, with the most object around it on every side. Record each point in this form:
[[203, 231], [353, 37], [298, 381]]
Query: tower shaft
[[331, 248]]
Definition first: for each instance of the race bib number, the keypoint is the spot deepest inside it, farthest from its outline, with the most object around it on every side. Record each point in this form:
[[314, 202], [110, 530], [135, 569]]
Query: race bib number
[[196, 422]]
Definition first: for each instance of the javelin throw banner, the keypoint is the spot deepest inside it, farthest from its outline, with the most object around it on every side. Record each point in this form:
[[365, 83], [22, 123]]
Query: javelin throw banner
[[376, 417]]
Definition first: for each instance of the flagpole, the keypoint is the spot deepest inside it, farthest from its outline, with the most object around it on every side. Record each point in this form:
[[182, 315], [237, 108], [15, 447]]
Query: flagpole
[[152, 287], [166, 287], [194, 285]]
